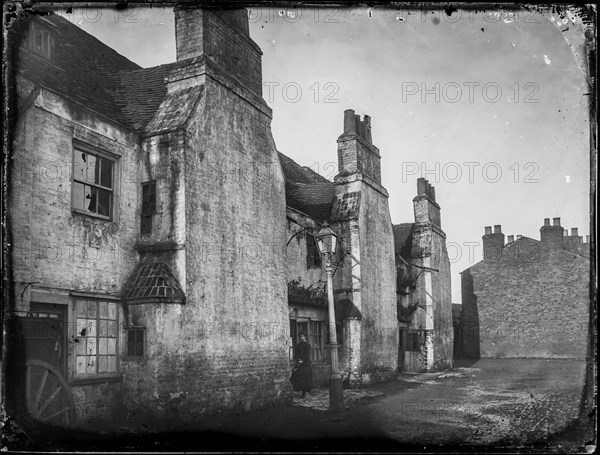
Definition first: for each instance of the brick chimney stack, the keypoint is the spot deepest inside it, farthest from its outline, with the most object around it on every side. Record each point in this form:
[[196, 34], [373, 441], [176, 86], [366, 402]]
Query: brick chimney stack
[[356, 152], [552, 237], [426, 208], [222, 36], [493, 243]]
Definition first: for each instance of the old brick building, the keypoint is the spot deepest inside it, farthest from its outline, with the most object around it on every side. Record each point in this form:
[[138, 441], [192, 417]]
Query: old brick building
[[423, 287], [527, 297], [162, 258]]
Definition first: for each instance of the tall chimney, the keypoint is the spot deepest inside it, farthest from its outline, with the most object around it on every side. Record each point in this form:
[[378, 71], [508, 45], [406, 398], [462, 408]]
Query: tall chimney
[[222, 36], [493, 243], [511, 239], [551, 238], [356, 153], [425, 207]]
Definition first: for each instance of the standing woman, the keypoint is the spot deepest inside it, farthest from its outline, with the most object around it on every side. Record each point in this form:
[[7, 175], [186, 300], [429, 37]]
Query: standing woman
[[302, 375]]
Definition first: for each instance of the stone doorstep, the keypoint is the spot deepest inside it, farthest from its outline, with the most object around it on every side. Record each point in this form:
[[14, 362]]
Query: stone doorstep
[[319, 398]]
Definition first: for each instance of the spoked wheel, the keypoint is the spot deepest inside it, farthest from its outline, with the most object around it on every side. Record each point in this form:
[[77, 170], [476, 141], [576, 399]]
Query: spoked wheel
[[47, 395]]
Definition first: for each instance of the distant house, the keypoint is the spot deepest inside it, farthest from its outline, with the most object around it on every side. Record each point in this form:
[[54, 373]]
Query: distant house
[[527, 297], [162, 255]]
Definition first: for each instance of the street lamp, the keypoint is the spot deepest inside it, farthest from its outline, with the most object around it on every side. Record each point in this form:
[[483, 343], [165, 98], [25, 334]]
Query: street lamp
[[327, 242]]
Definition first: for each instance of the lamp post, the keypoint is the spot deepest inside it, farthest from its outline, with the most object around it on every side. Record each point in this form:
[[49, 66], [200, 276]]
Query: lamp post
[[327, 243]]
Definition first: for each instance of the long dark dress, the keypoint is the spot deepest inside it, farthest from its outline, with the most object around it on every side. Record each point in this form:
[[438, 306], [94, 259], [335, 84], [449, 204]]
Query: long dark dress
[[302, 375]]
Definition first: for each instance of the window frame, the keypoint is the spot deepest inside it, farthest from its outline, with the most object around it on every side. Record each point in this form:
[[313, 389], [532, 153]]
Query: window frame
[[313, 256], [81, 147], [147, 213], [126, 353], [48, 45], [76, 337]]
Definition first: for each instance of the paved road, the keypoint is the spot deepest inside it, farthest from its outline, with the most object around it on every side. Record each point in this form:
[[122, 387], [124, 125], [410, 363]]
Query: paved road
[[494, 404]]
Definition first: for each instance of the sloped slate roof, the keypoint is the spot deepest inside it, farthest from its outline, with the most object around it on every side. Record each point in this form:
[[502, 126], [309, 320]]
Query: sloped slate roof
[[296, 173], [403, 234], [90, 73], [152, 282], [307, 191], [175, 109], [314, 199], [81, 67], [139, 93]]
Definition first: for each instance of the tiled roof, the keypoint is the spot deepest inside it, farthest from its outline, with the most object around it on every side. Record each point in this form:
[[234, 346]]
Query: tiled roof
[[152, 282], [313, 199], [140, 92], [403, 239], [90, 73], [294, 172], [307, 191], [80, 69]]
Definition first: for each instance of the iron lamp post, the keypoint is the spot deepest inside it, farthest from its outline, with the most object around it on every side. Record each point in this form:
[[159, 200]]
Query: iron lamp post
[[327, 241]]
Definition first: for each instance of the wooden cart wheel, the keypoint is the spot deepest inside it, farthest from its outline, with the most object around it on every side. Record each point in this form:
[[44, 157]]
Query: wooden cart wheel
[[47, 395]]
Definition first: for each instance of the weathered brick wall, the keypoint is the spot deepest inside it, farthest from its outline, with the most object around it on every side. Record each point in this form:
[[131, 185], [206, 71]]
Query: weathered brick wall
[[60, 251], [228, 346], [208, 32], [354, 155], [442, 304], [536, 306], [379, 356]]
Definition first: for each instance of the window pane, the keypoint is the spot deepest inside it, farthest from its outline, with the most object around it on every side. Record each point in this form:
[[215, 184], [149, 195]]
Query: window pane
[[112, 310], [92, 306], [103, 328], [112, 346], [91, 328], [82, 327], [131, 336], [140, 336], [91, 168], [102, 364], [91, 364], [91, 346], [80, 346], [103, 202], [81, 364], [112, 363], [106, 173], [112, 329], [103, 346], [103, 309], [81, 308], [80, 191], [139, 349]]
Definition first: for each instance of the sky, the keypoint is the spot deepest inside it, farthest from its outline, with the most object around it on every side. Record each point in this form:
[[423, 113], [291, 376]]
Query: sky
[[490, 107]]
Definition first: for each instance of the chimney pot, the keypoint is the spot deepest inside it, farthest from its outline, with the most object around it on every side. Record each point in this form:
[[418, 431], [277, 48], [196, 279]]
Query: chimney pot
[[488, 230], [511, 238], [421, 187], [349, 122], [497, 229], [546, 221], [432, 193], [368, 137], [555, 221], [574, 231]]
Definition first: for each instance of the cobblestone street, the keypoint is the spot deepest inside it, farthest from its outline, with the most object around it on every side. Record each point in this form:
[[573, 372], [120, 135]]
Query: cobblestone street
[[494, 403]]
